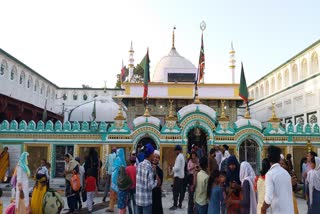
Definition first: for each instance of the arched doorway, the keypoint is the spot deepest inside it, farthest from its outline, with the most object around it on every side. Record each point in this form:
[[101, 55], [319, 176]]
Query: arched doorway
[[198, 137], [249, 151], [143, 141]]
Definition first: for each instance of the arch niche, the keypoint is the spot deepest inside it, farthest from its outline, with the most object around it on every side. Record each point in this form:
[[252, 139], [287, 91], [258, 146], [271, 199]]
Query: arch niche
[[249, 149], [199, 132]]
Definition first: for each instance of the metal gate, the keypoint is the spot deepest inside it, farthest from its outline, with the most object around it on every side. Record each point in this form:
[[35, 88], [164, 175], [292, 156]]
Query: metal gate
[[249, 151]]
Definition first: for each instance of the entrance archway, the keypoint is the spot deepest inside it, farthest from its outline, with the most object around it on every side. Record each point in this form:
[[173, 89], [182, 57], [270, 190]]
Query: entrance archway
[[145, 140], [249, 151], [198, 137]]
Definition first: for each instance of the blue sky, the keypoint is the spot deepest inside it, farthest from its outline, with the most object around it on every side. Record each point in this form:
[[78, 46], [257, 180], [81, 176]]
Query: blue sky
[[83, 42]]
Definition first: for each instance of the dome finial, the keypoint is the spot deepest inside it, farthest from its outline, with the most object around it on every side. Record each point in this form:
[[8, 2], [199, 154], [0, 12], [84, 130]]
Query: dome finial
[[223, 116], [171, 114], [173, 39], [274, 117], [247, 114], [119, 116]]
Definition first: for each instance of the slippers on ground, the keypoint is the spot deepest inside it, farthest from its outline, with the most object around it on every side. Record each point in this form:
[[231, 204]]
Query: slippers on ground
[[109, 210]]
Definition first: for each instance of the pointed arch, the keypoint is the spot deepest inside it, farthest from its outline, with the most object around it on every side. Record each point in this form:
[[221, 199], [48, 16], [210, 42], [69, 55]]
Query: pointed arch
[[279, 81], [286, 78], [304, 69], [294, 73], [314, 63]]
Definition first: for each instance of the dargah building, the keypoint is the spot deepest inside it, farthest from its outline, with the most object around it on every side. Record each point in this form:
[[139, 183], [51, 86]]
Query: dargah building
[[174, 115]]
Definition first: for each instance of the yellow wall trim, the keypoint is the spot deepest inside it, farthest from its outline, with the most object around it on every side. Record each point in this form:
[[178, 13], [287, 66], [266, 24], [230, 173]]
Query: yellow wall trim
[[180, 91]]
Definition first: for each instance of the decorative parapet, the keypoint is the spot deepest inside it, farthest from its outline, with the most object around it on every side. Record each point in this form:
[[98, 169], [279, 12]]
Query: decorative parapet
[[50, 127], [271, 130]]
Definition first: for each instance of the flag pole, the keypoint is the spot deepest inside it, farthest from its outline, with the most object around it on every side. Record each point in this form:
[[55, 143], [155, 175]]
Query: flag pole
[[200, 66]]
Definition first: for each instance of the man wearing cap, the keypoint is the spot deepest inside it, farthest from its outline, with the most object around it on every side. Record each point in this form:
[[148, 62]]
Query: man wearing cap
[[109, 163], [178, 174], [145, 182]]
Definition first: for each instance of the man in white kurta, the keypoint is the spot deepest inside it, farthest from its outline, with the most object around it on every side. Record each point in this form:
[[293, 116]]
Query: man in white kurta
[[278, 189]]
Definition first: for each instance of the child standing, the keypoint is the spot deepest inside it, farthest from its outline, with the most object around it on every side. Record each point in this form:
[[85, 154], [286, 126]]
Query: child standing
[[214, 192], [91, 187]]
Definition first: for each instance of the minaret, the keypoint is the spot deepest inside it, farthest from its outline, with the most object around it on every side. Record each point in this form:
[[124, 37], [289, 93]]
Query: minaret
[[131, 63], [232, 62]]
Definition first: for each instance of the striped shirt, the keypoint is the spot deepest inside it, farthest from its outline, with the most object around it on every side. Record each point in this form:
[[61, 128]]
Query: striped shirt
[[145, 183]]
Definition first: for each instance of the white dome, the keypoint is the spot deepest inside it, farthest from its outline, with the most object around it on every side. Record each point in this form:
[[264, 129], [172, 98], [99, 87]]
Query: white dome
[[197, 107], [142, 119], [245, 122], [173, 63], [106, 110]]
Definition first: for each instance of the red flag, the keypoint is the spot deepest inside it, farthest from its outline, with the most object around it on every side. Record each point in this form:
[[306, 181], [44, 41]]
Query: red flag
[[201, 61], [123, 73]]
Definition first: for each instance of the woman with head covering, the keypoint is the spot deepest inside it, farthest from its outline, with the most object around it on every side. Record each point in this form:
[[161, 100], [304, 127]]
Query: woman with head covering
[[156, 192], [40, 188], [284, 163], [314, 186], [124, 183], [233, 170], [233, 183], [72, 166], [118, 162], [23, 172], [259, 183], [249, 200]]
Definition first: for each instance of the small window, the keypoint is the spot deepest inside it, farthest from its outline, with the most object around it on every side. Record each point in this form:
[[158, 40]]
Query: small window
[[28, 83], [21, 80], [75, 96], [85, 97], [12, 75], [65, 97], [2, 69], [35, 87], [47, 92]]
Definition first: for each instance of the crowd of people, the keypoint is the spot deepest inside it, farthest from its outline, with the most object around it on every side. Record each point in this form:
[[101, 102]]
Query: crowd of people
[[216, 183]]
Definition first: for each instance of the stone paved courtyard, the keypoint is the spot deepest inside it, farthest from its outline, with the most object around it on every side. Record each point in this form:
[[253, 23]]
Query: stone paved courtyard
[[167, 202]]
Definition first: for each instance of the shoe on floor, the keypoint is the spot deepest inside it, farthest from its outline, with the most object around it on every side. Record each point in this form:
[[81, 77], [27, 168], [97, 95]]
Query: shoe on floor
[[173, 208]]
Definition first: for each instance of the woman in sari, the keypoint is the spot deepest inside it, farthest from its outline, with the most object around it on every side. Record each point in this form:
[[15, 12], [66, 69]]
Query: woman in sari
[[22, 186], [4, 163], [40, 188], [118, 162]]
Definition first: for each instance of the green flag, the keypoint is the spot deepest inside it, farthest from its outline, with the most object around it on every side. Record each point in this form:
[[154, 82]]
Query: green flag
[[243, 89], [94, 112], [146, 74]]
